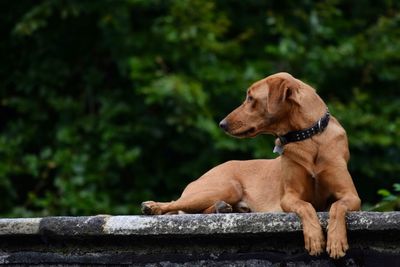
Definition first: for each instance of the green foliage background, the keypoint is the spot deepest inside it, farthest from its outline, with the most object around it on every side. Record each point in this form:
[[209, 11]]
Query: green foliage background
[[104, 104]]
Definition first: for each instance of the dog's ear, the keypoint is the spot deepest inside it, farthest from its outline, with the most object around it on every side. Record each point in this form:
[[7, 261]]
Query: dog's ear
[[282, 88]]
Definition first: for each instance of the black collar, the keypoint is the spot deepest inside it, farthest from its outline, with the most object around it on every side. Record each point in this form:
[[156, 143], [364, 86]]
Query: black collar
[[300, 135]]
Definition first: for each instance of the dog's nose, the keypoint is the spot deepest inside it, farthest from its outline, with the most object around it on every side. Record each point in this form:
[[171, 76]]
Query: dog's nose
[[224, 125]]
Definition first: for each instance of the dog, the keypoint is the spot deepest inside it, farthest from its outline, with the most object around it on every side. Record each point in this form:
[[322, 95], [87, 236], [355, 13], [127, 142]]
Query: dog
[[311, 174]]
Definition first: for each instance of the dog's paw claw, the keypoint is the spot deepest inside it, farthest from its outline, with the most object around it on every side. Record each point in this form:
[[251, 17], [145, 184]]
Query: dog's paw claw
[[337, 244], [337, 249], [242, 207], [223, 207], [316, 243]]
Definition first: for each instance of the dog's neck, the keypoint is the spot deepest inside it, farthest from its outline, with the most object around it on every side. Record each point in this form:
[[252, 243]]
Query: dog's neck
[[302, 116]]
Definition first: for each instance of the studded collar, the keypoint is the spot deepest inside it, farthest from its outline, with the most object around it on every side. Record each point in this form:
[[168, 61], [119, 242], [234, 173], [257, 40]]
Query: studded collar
[[296, 136]]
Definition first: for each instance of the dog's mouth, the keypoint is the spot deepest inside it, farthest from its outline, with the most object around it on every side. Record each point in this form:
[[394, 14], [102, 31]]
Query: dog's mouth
[[249, 132]]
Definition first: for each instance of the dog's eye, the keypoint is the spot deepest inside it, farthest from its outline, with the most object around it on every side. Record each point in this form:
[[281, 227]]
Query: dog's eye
[[250, 98]]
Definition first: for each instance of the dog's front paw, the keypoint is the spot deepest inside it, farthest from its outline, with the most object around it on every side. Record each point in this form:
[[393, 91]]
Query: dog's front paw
[[337, 245], [314, 241], [151, 208], [242, 207]]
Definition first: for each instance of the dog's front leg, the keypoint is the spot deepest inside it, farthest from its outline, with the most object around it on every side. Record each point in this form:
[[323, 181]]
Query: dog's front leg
[[298, 192], [340, 181], [314, 240]]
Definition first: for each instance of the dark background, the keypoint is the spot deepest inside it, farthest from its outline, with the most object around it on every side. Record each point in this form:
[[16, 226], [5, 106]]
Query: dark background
[[105, 104]]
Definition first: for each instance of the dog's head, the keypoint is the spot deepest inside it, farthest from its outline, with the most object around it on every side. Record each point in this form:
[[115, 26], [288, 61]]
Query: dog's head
[[267, 104]]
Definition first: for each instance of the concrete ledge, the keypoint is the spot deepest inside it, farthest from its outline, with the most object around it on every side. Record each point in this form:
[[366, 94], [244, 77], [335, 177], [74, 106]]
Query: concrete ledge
[[195, 224], [256, 239]]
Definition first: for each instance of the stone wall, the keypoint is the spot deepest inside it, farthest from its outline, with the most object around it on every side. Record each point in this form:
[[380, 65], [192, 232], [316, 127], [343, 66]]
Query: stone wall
[[257, 239]]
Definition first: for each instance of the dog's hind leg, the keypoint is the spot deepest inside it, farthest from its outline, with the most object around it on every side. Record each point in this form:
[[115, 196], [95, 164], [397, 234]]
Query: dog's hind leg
[[197, 201], [218, 184]]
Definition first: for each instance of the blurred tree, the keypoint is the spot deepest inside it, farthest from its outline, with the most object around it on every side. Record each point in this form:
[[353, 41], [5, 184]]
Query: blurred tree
[[104, 104]]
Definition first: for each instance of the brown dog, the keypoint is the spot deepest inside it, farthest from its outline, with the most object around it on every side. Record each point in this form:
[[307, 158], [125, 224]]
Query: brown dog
[[311, 173], [314, 170]]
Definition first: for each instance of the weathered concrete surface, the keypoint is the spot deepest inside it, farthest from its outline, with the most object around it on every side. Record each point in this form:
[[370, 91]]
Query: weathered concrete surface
[[28, 226], [257, 239], [195, 224]]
